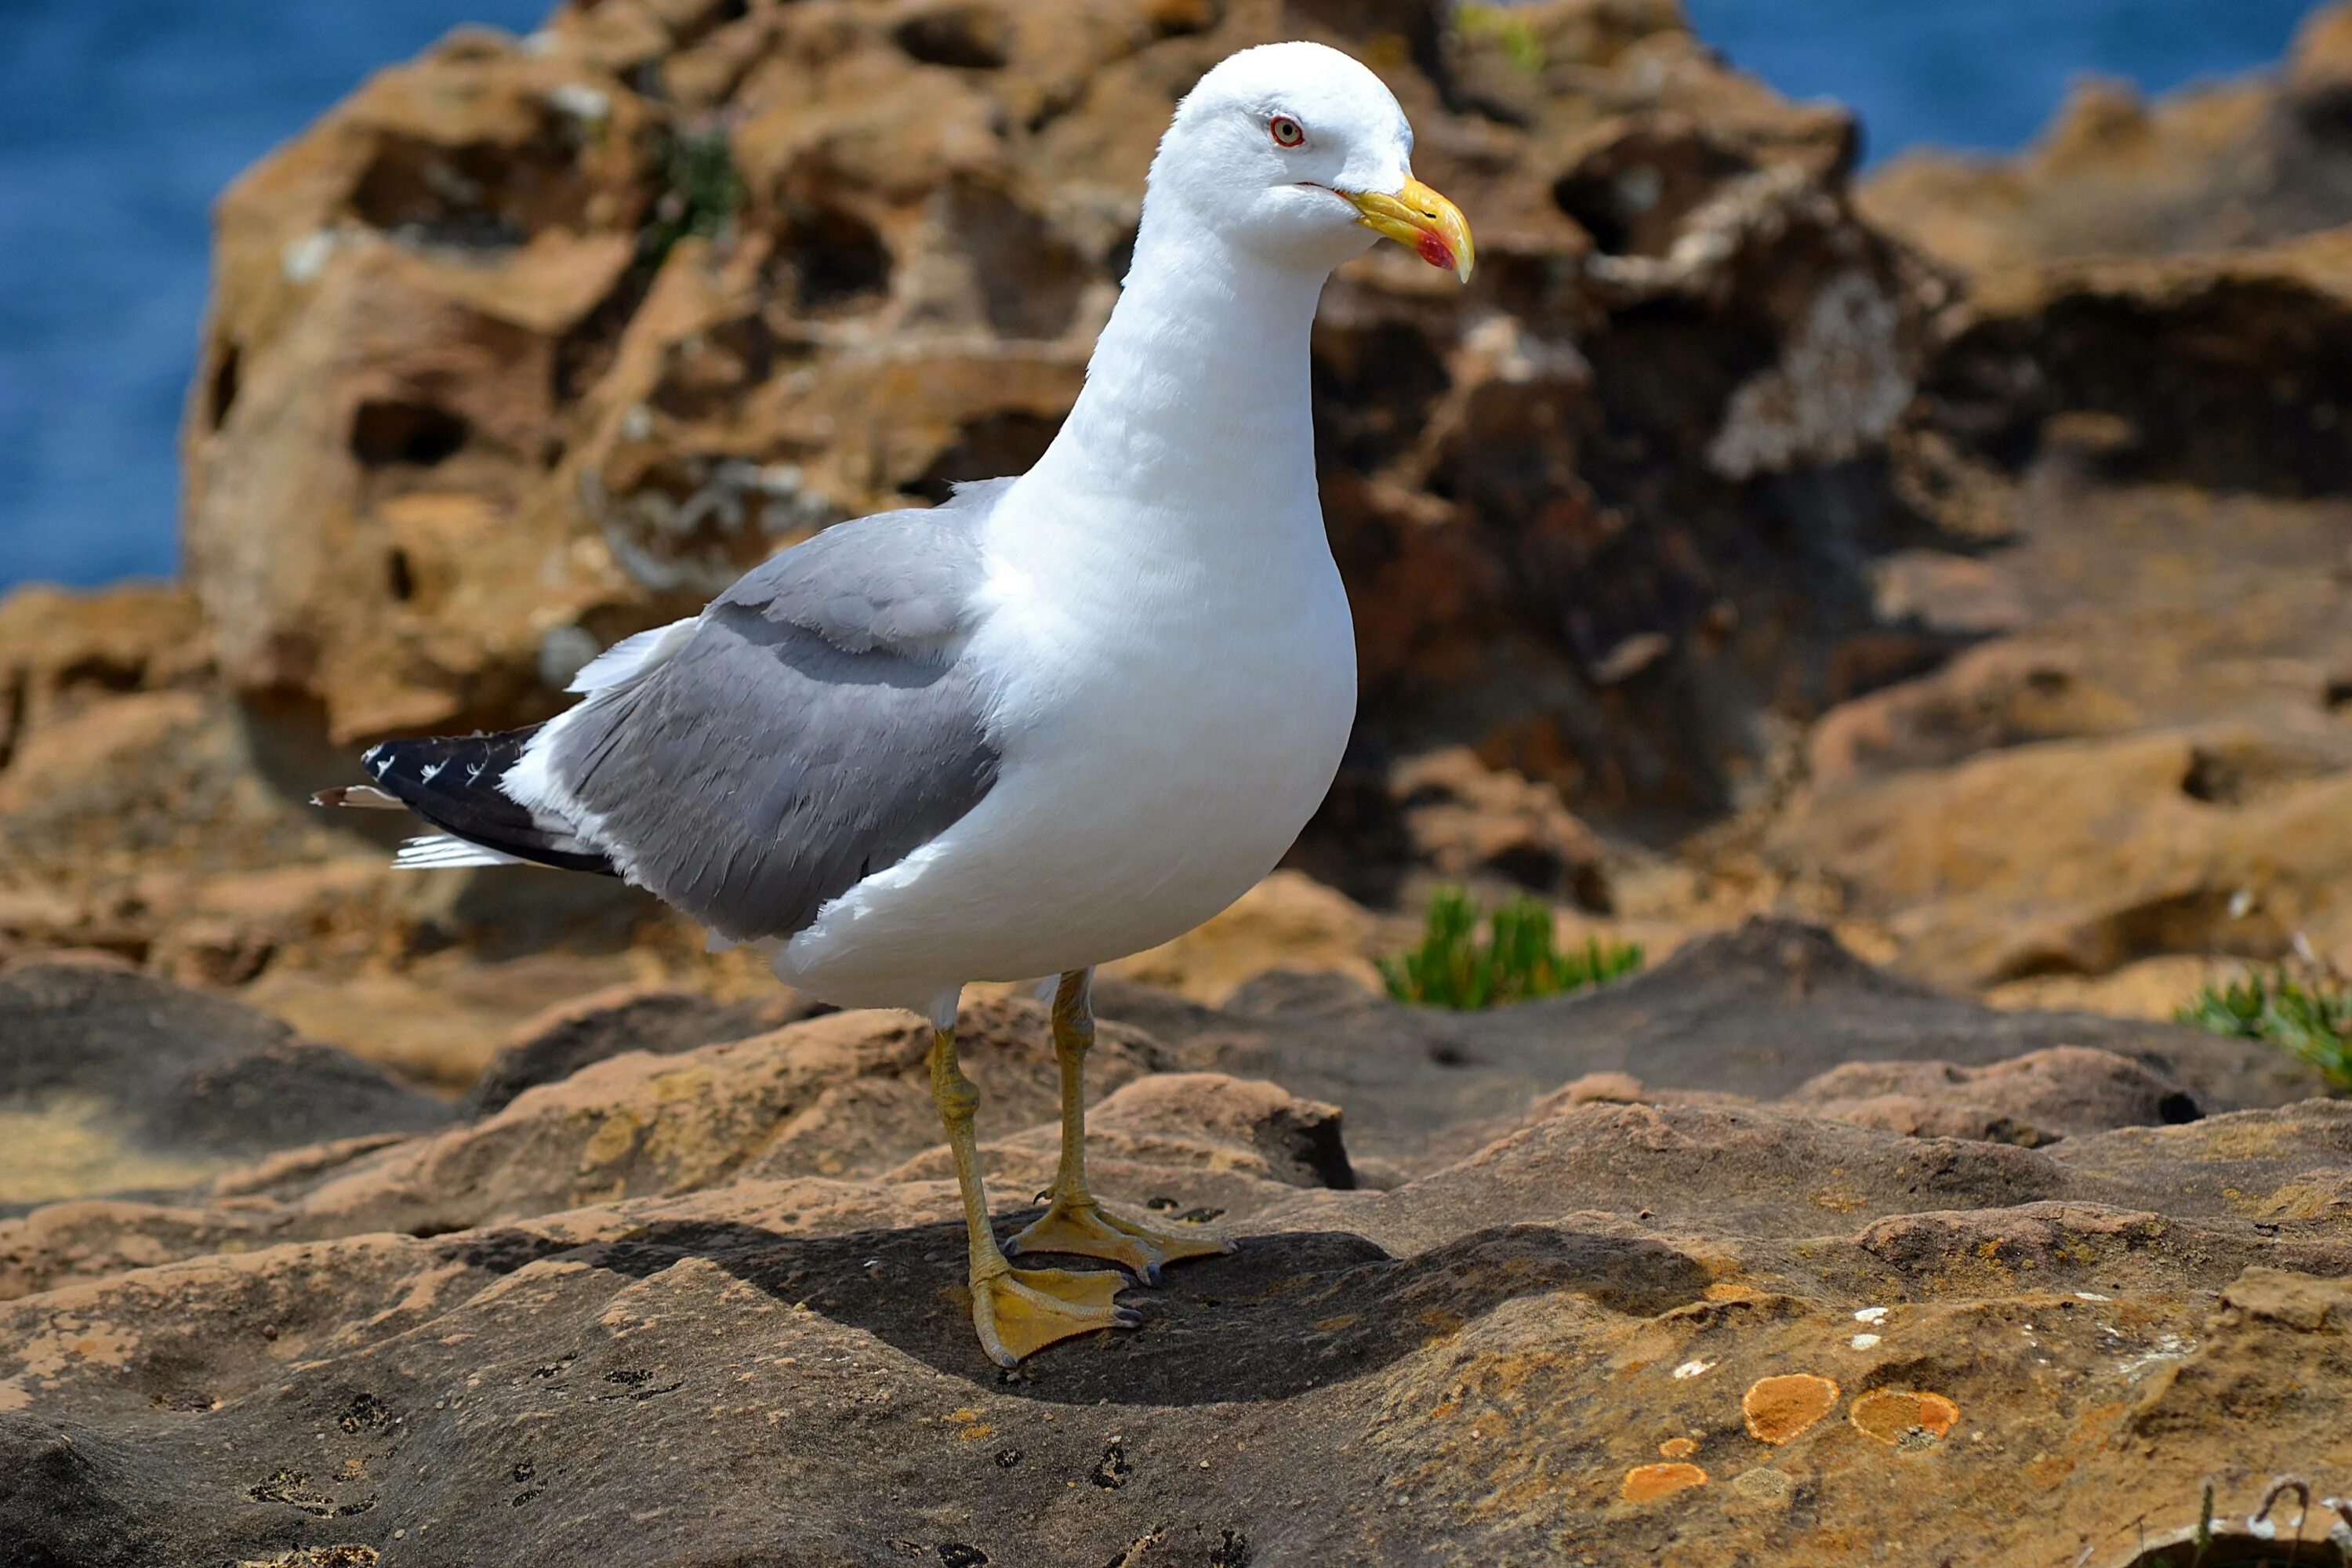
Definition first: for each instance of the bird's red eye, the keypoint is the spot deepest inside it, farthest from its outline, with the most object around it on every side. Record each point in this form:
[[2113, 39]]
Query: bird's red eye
[[1288, 133]]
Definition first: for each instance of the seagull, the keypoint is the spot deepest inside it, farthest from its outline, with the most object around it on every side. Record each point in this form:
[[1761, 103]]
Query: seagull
[[1060, 718]]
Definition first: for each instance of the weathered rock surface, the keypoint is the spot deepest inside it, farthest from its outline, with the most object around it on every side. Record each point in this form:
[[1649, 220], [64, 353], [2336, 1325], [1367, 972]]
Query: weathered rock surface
[[1703, 451], [656, 1020], [1768, 1255], [1760, 1012], [114, 1080], [2031, 1100], [699, 1305]]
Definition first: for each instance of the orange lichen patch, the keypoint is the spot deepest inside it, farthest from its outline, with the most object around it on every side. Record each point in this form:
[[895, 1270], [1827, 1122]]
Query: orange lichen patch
[[1894, 1416], [1644, 1483], [1778, 1408], [1678, 1448], [1724, 1290]]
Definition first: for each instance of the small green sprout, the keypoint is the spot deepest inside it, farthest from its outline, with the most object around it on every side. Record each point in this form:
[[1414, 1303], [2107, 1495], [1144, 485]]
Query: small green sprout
[[701, 190], [1518, 961], [2309, 1017]]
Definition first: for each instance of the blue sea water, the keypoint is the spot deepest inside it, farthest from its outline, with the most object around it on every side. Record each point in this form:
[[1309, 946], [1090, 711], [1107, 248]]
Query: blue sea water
[[120, 119]]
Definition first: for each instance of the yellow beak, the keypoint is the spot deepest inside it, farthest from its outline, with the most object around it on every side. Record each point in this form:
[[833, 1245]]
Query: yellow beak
[[1420, 217]]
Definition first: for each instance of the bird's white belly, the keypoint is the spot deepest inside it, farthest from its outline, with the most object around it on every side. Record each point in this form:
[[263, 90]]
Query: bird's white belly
[[1162, 758]]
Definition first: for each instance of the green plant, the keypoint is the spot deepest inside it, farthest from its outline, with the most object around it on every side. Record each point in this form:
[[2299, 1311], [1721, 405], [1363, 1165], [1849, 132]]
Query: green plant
[[2309, 1016], [701, 190], [1517, 962], [1520, 43]]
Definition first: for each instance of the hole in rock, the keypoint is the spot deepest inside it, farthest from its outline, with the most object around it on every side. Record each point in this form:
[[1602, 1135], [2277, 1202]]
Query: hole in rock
[[388, 432], [969, 37], [473, 197], [690, 29], [839, 258], [2209, 778], [1632, 194], [399, 580]]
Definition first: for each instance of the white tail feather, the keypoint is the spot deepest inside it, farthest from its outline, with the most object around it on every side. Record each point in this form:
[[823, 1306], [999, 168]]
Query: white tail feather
[[440, 851]]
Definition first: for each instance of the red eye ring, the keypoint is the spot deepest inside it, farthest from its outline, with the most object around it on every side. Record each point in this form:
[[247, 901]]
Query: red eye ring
[[1286, 132]]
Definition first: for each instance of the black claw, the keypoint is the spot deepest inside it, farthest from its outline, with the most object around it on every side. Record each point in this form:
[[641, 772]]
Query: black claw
[[1128, 1318], [1149, 1274]]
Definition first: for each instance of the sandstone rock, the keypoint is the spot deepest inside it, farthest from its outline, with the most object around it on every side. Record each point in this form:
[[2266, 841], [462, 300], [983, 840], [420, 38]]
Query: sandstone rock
[[2132, 410], [1288, 921], [1820, 1326], [2222, 371], [530, 345], [2006, 694], [59, 651], [2079, 857], [524, 347], [114, 1075], [2237, 164], [663, 1021], [2066, 1089], [1750, 1014], [1167, 1118], [843, 1095], [1462, 821]]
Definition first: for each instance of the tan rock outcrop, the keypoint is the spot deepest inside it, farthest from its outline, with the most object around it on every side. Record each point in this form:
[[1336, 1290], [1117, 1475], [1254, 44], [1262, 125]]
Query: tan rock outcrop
[[526, 345]]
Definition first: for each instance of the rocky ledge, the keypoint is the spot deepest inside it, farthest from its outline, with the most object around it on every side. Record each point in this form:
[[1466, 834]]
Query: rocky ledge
[[1956, 557], [1851, 1272]]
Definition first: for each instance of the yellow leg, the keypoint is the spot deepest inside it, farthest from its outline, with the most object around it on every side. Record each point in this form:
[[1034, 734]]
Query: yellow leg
[[1016, 1311], [1076, 1223]]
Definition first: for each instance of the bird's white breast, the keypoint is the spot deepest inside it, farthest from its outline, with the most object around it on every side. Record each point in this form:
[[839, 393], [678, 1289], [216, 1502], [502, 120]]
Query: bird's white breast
[[1171, 715]]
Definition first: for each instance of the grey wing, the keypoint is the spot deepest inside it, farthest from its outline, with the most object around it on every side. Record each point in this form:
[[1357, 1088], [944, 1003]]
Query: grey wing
[[820, 723]]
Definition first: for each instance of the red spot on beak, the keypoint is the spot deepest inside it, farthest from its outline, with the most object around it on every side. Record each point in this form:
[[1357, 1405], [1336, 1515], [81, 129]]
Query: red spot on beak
[[1435, 251]]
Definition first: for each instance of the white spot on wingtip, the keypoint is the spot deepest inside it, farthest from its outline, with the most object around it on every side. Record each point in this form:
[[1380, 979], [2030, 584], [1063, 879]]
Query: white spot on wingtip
[[432, 771]]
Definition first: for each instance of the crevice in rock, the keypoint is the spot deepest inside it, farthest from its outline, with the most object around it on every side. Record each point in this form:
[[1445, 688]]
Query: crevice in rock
[[837, 260], [1632, 194], [387, 433], [221, 393], [399, 577], [967, 38]]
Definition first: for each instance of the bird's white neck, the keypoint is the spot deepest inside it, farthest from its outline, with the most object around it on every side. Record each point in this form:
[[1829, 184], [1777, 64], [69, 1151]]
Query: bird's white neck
[[1198, 389]]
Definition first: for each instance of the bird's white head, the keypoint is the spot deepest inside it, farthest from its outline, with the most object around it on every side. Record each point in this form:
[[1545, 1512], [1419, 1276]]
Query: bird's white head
[[1299, 155]]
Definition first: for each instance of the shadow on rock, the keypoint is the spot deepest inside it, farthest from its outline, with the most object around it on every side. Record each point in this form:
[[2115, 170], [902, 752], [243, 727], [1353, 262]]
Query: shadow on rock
[[1279, 1316]]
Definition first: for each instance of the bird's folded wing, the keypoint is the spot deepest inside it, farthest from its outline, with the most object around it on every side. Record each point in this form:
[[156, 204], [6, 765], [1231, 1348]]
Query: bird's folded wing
[[820, 722]]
